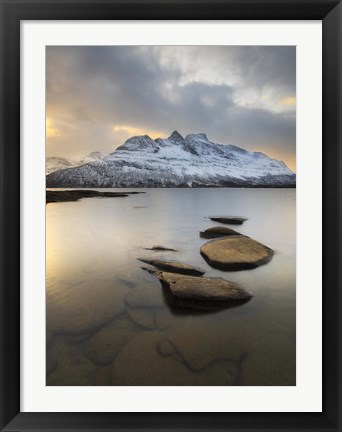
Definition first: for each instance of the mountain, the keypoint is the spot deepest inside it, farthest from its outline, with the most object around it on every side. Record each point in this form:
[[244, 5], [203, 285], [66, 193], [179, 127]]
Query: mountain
[[193, 161], [58, 163]]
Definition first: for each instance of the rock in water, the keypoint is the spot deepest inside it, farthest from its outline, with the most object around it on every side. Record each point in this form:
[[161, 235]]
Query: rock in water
[[236, 253], [230, 220], [218, 231], [174, 267], [104, 345], [161, 248], [201, 292], [141, 364]]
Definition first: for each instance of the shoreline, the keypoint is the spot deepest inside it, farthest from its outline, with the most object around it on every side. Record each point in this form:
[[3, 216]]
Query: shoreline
[[77, 194]]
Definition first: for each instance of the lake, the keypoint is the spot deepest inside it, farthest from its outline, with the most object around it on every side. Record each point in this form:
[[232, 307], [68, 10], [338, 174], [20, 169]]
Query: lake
[[109, 322]]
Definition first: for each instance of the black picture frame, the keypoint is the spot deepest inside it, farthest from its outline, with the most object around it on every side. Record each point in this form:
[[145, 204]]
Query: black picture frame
[[12, 12]]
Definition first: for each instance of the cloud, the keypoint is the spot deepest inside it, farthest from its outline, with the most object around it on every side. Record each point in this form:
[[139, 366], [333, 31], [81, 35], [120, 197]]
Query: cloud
[[99, 96], [289, 100], [51, 130]]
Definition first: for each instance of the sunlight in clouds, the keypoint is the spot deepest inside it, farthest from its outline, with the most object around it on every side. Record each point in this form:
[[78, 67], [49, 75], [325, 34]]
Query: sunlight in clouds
[[51, 130], [290, 100], [130, 131]]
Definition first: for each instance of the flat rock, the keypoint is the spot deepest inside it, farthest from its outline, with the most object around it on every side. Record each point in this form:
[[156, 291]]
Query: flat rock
[[236, 253], [192, 291], [174, 267], [161, 249], [218, 231], [230, 220]]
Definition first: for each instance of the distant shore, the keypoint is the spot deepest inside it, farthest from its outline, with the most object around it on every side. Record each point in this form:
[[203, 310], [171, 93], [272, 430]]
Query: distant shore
[[75, 195], [199, 186]]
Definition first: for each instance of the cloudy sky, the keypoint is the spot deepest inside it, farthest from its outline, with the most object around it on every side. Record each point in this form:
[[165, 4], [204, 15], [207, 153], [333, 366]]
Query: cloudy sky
[[97, 97]]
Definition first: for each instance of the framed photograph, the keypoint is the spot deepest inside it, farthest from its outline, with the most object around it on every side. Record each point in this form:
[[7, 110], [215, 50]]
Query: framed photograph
[[170, 218]]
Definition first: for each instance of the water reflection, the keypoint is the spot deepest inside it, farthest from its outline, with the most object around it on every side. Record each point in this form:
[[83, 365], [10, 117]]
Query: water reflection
[[108, 320]]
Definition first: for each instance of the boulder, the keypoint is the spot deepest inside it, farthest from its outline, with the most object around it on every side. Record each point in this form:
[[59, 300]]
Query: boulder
[[201, 292], [236, 253], [230, 220], [174, 267], [218, 231]]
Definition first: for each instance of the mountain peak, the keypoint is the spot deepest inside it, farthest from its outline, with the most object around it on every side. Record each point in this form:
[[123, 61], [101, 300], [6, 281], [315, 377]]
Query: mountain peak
[[176, 137], [203, 136], [193, 161]]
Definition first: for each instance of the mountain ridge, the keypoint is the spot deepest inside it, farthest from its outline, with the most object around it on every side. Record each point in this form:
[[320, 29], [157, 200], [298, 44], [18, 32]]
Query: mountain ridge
[[56, 163], [193, 161]]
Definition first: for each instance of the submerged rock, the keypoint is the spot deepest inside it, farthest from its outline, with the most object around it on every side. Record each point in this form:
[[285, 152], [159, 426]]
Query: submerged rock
[[165, 348], [68, 366], [236, 253], [270, 361], [103, 347], [164, 318], [207, 342], [103, 376], [218, 231], [201, 292], [144, 297], [161, 248], [174, 267], [140, 363], [144, 317], [83, 308], [231, 220]]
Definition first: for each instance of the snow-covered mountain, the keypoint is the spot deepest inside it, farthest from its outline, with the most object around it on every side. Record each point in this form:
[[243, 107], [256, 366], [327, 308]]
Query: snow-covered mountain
[[58, 163], [193, 161]]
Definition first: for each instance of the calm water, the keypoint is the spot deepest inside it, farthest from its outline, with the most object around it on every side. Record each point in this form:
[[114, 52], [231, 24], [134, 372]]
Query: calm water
[[108, 321]]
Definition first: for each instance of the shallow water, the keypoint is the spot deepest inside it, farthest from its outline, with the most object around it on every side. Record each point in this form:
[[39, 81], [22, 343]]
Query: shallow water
[[109, 322]]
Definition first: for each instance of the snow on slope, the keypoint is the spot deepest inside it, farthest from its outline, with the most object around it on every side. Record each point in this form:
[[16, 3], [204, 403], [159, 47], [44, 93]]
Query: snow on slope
[[57, 163], [192, 161]]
